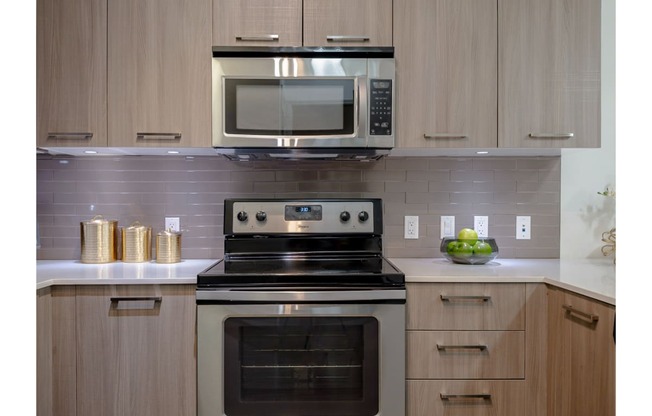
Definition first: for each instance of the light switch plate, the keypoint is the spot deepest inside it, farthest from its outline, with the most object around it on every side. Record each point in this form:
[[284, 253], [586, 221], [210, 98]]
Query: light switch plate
[[447, 226]]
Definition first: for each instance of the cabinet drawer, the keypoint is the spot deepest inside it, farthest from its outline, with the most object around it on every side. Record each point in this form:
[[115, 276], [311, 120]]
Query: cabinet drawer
[[464, 398], [466, 306], [465, 354]]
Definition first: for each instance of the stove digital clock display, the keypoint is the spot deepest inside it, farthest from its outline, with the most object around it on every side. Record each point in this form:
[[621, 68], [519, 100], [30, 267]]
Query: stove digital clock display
[[303, 212]]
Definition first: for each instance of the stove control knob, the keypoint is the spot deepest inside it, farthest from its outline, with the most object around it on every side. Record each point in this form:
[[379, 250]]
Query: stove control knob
[[345, 216], [363, 216], [261, 216], [242, 216]]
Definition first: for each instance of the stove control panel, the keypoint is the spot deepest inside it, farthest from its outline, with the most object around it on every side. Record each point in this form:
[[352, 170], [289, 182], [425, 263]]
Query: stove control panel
[[303, 216]]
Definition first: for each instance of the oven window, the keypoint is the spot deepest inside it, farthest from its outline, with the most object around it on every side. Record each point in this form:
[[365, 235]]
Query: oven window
[[301, 366], [289, 107]]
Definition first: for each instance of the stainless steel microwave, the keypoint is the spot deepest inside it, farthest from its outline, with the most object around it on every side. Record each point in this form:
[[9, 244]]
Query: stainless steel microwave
[[328, 103]]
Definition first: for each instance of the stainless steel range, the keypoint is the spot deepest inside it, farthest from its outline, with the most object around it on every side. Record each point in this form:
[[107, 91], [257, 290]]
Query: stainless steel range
[[303, 316]]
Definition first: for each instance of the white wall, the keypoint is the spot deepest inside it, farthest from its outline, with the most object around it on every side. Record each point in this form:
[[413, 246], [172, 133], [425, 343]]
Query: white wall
[[585, 215]]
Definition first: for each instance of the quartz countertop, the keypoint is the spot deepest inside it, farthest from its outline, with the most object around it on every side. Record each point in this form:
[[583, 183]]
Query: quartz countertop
[[591, 277]]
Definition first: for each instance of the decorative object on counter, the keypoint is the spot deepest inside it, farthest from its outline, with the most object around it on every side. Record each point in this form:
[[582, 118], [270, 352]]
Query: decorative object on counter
[[136, 243], [168, 246], [467, 248], [609, 237], [99, 240]]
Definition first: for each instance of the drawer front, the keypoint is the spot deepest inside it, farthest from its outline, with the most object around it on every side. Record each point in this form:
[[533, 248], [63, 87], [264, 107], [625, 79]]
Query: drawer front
[[465, 354], [466, 306], [466, 398]]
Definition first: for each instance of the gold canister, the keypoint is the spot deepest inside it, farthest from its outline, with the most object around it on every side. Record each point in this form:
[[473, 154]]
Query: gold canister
[[99, 240], [168, 246], [136, 243]]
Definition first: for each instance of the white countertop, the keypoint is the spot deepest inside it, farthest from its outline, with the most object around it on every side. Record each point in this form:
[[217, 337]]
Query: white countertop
[[591, 277]]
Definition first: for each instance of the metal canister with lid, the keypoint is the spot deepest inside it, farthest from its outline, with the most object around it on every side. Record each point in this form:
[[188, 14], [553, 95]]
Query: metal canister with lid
[[168, 246], [136, 243], [99, 240]]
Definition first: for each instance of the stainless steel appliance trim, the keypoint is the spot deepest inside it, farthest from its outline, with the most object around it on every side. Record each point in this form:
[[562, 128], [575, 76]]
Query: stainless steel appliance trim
[[338, 295]]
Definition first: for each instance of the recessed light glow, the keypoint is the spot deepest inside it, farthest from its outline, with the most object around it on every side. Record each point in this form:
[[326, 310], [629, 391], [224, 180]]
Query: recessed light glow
[[90, 152]]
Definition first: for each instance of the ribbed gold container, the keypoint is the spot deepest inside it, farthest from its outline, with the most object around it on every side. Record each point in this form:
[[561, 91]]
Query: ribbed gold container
[[99, 240], [168, 247], [136, 243]]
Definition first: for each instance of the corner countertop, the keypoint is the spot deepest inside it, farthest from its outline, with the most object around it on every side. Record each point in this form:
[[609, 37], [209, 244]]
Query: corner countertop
[[595, 278]]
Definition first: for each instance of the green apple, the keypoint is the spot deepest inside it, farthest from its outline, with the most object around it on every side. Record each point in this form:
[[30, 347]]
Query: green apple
[[468, 235], [482, 248], [462, 249], [450, 247]]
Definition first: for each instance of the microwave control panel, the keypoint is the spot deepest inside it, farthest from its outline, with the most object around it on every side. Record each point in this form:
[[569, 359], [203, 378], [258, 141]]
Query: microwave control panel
[[380, 107]]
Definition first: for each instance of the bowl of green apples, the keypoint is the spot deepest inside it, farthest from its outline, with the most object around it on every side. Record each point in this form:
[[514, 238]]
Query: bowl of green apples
[[468, 248]]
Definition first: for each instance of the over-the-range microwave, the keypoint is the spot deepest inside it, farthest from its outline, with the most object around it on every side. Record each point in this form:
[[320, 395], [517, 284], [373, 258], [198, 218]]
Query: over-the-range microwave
[[327, 103]]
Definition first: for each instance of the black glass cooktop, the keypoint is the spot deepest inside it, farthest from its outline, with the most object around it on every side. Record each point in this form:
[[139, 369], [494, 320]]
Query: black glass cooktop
[[323, 271]]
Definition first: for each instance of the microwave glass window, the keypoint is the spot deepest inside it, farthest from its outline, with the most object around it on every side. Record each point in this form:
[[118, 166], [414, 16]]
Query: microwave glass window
[[295, 107]]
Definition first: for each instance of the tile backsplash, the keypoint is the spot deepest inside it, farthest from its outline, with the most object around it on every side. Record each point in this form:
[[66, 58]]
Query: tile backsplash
[[149, 188]]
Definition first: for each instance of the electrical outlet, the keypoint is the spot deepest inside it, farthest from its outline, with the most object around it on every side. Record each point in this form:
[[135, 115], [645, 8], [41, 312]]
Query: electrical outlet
[[481, 225], [523, 228], [411, 227], [172, 223], [447, 226]]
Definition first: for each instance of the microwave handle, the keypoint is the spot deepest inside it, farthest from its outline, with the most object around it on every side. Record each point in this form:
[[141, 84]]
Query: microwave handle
[[362, 106]]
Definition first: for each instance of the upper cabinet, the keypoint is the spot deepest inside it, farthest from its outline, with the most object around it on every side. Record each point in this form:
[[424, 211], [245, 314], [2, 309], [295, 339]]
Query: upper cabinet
[[307, 23], [159, 73], [446, 71], [549, 73], [497, 73], [71, 73], [153, 56]]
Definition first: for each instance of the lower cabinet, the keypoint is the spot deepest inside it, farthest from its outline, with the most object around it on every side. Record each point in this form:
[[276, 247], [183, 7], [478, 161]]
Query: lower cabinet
[[582, 356], [125, 350]]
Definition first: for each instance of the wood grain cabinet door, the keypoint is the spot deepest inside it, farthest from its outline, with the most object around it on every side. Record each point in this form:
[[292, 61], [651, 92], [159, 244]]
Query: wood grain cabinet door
[[347, 23], [549, 73], [71, 73], [136, 357], [446, 73], [159, 73], [257, 23], [582, 354]]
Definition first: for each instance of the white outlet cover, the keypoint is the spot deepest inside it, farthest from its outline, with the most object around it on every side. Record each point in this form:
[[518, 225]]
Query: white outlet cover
[[172, 223], [523, 227], [481, 225], [411, 227]]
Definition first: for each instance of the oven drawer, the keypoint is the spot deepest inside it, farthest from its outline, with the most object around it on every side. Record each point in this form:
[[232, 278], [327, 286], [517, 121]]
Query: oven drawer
[[464, 398], [466, 306], [465, 355]]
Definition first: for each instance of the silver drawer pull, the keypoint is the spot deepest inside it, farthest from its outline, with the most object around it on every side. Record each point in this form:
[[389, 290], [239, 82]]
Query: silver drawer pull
[[589, 316], [259, 38], [482, 298], [164, 136], [340, 38], [445, 136], [461, 347], [136, 298], [134, 303], [551, 135], [464, 396], [71, 135]]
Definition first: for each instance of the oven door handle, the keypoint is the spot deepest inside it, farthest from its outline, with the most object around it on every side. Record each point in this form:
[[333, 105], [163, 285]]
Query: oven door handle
[[300, 296]]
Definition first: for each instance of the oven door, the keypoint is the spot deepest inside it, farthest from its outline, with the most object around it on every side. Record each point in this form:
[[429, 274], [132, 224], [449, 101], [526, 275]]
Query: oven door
[[289, 357]]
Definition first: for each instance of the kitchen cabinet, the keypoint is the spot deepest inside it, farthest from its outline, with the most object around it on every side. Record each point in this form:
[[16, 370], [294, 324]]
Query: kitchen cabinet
[[549, 73], [302, 23], [123, 350], [475, 349], [152, 55], [497, 73], [71, 73], [159, 73], [582, 354], [446, 72]]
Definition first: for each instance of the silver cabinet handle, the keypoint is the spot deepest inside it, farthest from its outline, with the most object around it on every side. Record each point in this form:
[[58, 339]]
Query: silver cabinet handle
[[71, 135], [445, 136], [570, 310], [340, 38], [258, 38], [481, 298], [136, 298], [551, 135], [164, 136], [464, 396], [461, 347]]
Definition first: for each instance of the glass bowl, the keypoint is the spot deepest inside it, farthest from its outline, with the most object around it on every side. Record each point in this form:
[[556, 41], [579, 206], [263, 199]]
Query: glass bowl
[[460, 251]]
